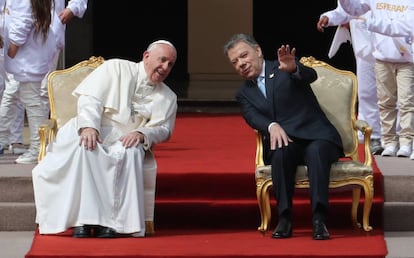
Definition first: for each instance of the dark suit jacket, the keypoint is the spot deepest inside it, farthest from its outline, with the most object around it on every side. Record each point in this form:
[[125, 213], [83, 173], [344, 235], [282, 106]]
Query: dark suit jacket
[[290, 102]]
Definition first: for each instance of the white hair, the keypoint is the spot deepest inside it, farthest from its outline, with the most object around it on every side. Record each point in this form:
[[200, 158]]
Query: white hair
[[161, 41]]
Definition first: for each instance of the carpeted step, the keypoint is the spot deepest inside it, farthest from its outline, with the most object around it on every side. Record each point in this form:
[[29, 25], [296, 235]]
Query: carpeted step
[[202, 185], [228, 200], [224, 214], [206, 206]]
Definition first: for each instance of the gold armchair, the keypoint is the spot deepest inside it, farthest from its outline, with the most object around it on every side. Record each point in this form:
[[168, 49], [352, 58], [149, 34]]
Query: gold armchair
[[60, 85], [63, 107], [336, 91]]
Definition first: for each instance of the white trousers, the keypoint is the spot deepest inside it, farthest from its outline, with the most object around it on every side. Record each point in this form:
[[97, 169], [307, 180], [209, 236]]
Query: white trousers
[[367, 95], [29, 95], [11, 111]]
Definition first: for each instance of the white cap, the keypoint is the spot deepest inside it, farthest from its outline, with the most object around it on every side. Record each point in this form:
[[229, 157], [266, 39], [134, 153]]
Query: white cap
[[161, 41]]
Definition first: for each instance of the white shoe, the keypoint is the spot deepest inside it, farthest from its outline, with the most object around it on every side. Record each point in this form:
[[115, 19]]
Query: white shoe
[[17, 148], [389, 151], [404, 151], [29, 157]]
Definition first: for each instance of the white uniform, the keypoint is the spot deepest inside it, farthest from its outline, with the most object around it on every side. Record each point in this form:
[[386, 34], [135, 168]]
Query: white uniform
[[74, 186], [362, 46], [78, 8], [394, 69], [26, 71], [12, 131], [402, 27]]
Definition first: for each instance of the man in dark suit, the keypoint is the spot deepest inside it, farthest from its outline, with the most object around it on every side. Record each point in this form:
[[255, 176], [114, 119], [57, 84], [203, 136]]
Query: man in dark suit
[[295, 129]]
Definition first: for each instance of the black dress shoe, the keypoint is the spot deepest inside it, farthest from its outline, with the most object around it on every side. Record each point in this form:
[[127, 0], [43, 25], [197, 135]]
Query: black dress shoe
[[283, 229], [320, 232], [81, 232], [104, 232]]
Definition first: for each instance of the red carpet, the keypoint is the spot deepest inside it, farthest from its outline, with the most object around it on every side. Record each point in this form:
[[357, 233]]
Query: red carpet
[[206, 206]]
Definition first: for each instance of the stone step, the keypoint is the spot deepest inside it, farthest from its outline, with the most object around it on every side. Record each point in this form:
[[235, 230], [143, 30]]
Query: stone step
[[17, 216], [399, 188], [16, 189], [398, 216]]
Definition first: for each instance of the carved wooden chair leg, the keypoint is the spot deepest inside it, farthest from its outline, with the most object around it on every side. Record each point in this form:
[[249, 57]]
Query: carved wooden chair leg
[[356, 194]]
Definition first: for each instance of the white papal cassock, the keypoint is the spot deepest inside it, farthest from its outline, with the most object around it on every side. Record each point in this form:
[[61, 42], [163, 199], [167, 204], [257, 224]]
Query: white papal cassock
[[74, 186]]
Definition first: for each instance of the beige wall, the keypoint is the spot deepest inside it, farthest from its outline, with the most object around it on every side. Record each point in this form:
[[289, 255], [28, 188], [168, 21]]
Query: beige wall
[[210, 24]]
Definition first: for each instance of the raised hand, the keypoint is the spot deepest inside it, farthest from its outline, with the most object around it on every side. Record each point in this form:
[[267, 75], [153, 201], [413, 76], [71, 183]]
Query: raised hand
[[286, 58]]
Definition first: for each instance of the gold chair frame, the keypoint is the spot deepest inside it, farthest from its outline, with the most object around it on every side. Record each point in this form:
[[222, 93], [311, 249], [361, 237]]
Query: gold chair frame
[[336, 91], [60, 84]]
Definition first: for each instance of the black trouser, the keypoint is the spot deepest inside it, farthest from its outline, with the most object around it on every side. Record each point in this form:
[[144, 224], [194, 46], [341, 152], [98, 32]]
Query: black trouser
[[318, 156]]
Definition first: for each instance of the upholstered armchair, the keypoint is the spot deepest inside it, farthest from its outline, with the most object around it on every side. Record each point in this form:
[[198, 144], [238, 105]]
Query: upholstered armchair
[[60, 85], [63, 107], [336, 91]]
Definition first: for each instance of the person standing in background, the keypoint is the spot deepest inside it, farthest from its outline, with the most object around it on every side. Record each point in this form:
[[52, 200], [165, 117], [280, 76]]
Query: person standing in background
[[367, 88], [12, 133], [12, 130], [61, 17], [30, 47], [394, 27], [394, 72]]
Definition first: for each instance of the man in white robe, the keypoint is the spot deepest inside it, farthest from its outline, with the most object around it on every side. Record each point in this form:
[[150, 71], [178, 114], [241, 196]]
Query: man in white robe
[[92, 177]]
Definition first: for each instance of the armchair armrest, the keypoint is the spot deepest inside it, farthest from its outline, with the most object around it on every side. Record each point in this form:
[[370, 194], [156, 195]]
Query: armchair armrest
[[47, 133], [259, 149], [366, 130]]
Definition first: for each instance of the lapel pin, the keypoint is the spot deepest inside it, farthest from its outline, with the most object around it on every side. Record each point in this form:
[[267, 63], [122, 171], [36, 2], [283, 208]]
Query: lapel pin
[[271, 75]]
